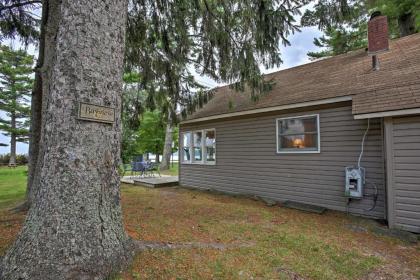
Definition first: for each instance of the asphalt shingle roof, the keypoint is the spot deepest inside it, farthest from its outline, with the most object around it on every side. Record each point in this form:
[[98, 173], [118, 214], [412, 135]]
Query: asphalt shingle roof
[[395, 86]]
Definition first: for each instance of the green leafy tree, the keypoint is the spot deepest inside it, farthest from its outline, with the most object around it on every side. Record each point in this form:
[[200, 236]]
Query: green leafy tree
[[134, 99], [151, 134], [175, 141], [15, 89], [345, 22]]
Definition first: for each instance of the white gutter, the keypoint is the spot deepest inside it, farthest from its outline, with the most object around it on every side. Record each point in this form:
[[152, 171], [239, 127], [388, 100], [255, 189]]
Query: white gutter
[[405, 112], [271, 109]]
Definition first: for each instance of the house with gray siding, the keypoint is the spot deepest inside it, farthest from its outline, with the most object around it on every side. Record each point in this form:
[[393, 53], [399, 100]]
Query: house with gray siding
[[295, 142]]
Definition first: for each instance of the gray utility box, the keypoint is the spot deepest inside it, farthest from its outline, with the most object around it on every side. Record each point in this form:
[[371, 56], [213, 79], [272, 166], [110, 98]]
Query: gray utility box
[[355, 181]]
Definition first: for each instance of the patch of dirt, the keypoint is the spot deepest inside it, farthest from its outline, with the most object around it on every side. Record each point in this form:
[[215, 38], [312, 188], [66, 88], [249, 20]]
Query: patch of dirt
[[150, 245], [291, 275], [390, 272], [400, 261], [10, 225]]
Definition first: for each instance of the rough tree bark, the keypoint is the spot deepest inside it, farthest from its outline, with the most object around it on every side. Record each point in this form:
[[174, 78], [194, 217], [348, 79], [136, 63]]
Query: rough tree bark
[[74, 226], [167, 146], [12, 160], [36, 110]]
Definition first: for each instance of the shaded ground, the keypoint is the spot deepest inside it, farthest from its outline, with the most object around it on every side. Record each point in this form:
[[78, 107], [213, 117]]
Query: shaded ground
[[289, 244], [286, 244]]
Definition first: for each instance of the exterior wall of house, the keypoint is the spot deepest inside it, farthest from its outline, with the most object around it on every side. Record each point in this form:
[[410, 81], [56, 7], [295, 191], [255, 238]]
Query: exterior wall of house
[[247, 162], [403, 170]]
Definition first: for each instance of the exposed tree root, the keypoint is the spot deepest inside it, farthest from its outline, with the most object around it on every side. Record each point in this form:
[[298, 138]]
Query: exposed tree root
[[22, 207]]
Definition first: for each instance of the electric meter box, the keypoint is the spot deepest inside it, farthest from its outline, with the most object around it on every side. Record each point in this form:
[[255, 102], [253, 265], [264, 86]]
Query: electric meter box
[[355, 181]]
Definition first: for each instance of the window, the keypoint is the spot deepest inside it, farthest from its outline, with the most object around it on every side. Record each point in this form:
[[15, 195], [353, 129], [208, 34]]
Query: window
[[298, 134], [210, 145], [186, 144], [199, 147]]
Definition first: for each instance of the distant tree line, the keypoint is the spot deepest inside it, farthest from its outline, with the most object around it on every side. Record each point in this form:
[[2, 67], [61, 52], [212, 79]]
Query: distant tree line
[[21, 159]]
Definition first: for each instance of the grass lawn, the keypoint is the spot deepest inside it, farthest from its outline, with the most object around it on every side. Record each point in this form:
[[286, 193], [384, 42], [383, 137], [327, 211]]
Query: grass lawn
[[12, 185], [173, 171], [12, 192], [286, 244]]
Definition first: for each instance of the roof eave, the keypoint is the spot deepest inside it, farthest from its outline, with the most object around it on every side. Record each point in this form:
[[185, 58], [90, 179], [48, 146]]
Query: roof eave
[[384, 114], [271, 109]]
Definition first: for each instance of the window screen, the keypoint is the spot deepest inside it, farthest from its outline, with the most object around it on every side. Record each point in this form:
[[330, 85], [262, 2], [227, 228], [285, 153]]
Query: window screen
[[298, 134]]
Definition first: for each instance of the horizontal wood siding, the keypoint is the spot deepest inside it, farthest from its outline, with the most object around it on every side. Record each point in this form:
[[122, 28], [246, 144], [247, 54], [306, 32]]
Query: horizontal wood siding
[[247, 162], [406, 173]]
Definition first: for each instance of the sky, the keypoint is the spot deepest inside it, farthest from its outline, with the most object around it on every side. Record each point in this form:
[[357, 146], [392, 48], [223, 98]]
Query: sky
[[294, 55]]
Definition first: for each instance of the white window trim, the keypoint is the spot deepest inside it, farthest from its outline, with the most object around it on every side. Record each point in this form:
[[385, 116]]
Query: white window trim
[[183, 145], [192, 147], [299, 151], [203, 147]]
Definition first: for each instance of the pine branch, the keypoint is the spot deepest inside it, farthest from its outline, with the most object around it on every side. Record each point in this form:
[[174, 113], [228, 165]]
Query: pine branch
[[217, 18], [18, 5]]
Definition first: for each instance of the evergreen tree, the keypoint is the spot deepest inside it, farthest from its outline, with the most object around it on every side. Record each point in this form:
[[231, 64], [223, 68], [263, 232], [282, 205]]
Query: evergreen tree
[[74, 227], [338, 40], [404, 15], [228, 41], [18, 19], [224, 40], [133, 100], [15, 89], [345, 22]]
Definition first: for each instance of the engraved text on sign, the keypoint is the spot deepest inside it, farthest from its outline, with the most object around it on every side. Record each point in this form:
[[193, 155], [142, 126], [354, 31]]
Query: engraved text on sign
[[96, 113]]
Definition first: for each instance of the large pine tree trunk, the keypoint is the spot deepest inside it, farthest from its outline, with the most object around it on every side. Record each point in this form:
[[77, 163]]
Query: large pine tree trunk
[[12, 160], [36, 108], [74, 227], [167, 146]]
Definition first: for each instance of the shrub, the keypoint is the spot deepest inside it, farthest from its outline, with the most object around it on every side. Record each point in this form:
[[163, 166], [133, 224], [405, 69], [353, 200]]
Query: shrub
[[20, 159]]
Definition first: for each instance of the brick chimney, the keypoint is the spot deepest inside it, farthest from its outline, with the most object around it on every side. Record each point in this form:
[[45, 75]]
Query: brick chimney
[[377, 37]]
